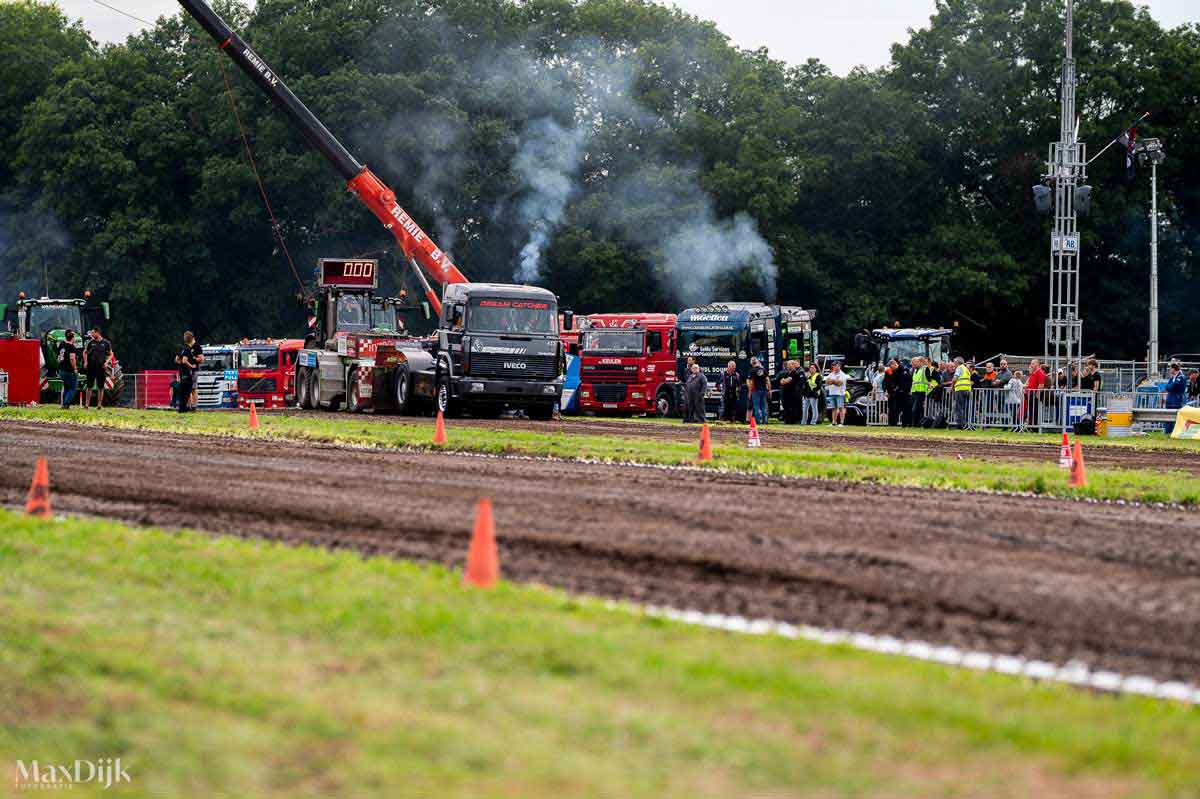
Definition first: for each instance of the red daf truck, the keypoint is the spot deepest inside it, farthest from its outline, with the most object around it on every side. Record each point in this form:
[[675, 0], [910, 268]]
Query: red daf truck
[[628, 363], [267, 373]]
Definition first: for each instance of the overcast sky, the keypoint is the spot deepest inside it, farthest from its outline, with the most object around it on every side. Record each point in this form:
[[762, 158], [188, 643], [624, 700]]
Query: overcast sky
[[842, 33]]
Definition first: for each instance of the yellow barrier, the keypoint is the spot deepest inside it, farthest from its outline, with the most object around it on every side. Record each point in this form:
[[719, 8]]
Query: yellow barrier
[[1187, 423]]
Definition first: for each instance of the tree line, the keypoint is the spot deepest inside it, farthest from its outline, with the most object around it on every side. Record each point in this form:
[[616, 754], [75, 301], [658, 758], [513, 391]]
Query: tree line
[[627, 153]]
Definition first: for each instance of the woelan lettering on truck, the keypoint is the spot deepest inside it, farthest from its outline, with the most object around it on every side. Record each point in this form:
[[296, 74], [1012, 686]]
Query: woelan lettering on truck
[[520, 304]]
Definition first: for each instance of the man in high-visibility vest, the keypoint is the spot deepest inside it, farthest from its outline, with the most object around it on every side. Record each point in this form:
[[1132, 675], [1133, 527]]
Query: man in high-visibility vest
[[922, 384], [962, 393]]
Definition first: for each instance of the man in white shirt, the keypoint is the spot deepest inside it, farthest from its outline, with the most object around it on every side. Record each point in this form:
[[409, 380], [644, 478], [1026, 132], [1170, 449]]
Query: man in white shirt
[[835, 388]]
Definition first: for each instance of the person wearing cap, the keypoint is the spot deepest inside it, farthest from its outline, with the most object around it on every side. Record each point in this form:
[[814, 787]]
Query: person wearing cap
[[760, 387], [835, 388], [96, 353], [1176, 387]]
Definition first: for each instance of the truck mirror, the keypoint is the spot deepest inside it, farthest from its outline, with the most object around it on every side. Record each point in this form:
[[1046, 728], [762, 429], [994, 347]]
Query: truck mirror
[[568, 319], [426, 310], [104, 305]]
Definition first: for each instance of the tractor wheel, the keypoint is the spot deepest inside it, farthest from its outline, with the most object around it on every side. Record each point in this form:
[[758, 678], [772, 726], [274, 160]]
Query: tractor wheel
[[400, 389], [664, 404]]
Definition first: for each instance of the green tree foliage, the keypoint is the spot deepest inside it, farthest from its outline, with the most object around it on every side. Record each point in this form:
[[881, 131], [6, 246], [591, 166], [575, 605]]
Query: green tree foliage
[[896, 194]]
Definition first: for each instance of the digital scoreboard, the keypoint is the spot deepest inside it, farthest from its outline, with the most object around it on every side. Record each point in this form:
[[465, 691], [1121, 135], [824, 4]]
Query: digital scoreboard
[[358, 273]]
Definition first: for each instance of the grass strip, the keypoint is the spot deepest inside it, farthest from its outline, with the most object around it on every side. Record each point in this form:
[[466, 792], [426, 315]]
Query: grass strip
[[221, 666]]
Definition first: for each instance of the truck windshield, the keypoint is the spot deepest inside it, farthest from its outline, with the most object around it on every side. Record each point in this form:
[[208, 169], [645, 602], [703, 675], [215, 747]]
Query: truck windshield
[[708, 343], [907, 349], [44, 318], [513, 316], [353, 312], [623, 342], [258, 358], [217, 362], [384, 317]]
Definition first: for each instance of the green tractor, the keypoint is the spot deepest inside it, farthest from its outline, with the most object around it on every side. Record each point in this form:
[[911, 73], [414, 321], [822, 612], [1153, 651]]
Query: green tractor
[[48, 321]]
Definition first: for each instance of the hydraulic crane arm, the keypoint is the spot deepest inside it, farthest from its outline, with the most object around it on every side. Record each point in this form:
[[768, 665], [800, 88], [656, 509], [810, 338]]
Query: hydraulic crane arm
[[418, 248]]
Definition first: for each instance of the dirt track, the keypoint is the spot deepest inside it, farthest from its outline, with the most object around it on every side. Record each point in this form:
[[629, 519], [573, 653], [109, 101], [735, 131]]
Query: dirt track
[[778, 435], [1115, 586]]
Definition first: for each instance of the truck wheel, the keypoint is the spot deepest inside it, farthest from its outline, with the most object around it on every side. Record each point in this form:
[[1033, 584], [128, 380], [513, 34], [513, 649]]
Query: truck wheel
[[664, 404], [354, 403], [400, 389], [445, 403], [303, 389], [541, 413]]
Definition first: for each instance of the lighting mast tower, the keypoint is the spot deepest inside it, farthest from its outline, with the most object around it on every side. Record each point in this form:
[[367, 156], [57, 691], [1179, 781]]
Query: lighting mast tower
[[1066, 169]]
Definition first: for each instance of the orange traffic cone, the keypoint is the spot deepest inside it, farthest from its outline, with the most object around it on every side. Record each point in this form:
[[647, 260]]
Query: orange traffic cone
[[1078, 472], [753, 440], [1064, 454], [38, 503], [705, 444], [483, 562], [253, 416], [439, 431]]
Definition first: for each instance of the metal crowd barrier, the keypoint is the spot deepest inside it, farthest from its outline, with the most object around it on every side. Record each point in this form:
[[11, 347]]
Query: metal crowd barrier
[[1043, 410]]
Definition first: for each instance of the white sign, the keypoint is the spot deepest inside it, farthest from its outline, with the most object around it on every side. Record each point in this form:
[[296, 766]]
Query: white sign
[[1064, 243]]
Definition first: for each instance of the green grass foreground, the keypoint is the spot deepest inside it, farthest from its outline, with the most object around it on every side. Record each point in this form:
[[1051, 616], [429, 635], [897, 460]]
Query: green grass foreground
[[938, 470], [216, 666]]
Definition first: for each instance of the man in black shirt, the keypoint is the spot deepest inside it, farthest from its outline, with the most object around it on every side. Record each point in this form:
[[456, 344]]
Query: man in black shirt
[[760, 392], [95, 359], [790, 384], [188, 359], [731, 385], [68, 368]]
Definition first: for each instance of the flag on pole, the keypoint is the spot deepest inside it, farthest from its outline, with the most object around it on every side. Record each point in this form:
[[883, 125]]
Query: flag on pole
[[1129, 140]]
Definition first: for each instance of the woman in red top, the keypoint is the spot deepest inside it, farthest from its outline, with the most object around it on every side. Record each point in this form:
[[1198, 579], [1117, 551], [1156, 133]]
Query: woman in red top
[[1036, 381]]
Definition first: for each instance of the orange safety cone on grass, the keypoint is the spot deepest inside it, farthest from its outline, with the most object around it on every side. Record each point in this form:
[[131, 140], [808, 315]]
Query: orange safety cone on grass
[[483, 562], [38, 503], [439, 430], [1064, 454], [253, 416], [1078, 472], [705, 444], [753, 439]]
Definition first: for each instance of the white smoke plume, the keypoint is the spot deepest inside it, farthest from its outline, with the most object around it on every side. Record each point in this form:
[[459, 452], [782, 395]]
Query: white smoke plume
[[701, 250], [547, 165]]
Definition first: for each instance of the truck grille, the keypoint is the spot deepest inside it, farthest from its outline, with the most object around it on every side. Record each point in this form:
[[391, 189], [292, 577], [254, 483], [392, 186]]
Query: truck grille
[[610, 374], [256, 385], [208, 394], [609, 392], [514, 367]]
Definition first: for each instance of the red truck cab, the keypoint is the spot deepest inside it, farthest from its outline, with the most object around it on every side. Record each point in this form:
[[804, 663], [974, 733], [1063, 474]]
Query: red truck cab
[[627, 363], [267, 373]]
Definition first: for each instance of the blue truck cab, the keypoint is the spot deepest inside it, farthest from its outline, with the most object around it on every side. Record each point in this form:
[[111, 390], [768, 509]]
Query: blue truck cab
[[737, 331]]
